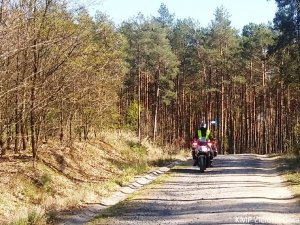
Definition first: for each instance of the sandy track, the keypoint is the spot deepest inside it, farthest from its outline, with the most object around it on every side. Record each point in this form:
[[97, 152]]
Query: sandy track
[[239, 189]]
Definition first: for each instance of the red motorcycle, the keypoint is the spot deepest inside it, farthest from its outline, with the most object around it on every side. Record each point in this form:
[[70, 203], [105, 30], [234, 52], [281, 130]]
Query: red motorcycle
[[202, 154]]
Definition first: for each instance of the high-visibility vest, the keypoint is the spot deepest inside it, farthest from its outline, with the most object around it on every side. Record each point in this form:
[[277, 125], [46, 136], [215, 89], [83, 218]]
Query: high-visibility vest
[[206, 136]]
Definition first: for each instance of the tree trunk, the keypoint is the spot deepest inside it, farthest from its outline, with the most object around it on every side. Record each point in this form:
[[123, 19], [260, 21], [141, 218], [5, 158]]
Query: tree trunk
[[139, 96], [156, 105]]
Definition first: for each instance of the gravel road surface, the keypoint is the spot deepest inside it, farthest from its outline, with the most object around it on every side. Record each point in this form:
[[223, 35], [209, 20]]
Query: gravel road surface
[[239, 189]]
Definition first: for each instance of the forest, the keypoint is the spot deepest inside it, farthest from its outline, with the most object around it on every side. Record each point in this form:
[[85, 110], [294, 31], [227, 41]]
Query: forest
[[66, 75]]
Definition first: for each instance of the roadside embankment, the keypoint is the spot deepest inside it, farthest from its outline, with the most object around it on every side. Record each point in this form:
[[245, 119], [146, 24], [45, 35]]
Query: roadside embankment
[[69, 177]]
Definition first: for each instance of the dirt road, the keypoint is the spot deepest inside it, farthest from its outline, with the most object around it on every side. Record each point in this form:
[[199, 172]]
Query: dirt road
[[240, 189]]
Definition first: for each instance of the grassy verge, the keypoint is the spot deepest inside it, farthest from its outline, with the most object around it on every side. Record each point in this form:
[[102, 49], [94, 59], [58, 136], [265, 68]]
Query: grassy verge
[[289, 166], [121, 207]]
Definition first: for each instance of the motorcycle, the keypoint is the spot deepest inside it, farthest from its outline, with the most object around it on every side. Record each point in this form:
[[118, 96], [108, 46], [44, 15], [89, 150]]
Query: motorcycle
[[202, 154]]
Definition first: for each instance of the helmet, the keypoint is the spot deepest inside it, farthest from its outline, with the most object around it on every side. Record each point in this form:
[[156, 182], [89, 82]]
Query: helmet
[[203, 125]]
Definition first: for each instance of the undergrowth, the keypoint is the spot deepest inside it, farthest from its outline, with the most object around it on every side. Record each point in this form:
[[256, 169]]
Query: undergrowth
[[66, 178], [289, 166], [33, 218]]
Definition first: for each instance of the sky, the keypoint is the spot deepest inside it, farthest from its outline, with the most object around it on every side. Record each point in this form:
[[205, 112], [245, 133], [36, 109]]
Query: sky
[[242, 11]]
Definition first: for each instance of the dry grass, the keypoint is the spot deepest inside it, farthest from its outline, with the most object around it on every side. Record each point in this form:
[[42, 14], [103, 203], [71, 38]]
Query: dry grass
[[65, 178], [289, 166]]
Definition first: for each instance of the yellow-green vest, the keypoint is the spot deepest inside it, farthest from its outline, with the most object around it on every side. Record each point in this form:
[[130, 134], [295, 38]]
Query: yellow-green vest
[[207, 134]]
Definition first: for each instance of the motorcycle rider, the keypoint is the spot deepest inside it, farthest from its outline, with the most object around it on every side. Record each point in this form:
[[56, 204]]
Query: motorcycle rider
[[203, 134]]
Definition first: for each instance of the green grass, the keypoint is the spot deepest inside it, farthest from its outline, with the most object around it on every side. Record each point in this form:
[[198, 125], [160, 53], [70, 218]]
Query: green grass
[[138, 148], [162, 162], [130, 171], [33, 218], [289, 166]]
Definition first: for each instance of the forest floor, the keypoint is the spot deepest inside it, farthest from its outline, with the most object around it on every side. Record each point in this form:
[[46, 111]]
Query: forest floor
[[289, 167], [68, 178], [238, 189]]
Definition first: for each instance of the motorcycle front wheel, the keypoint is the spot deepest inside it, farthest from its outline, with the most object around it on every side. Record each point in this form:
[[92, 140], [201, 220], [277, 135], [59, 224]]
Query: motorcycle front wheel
[[201, 162], [208, 161]]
